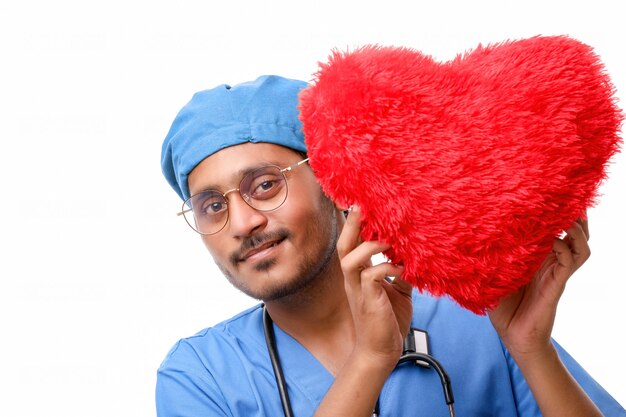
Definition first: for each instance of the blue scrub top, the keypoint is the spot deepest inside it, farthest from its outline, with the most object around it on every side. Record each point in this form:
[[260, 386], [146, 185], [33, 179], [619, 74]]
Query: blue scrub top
[[226, 371]]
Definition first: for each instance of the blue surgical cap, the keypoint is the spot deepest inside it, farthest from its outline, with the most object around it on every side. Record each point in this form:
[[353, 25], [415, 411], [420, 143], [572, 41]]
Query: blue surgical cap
[[264, 110]]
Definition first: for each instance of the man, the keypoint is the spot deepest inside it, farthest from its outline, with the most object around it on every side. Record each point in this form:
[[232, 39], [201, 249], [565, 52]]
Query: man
[[236, 155]]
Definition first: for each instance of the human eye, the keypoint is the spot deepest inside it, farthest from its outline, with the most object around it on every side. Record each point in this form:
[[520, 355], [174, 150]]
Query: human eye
[[210, 204], [266, 185]]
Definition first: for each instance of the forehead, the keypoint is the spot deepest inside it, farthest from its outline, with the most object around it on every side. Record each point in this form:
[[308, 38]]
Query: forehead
[[225, 168]]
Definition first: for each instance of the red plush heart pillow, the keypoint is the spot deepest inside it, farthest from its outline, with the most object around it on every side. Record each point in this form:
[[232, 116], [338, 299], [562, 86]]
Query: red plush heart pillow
[[468, 168]]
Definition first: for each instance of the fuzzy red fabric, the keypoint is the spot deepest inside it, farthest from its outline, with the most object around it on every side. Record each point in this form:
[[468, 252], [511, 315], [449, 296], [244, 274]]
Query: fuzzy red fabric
[[468, 168]]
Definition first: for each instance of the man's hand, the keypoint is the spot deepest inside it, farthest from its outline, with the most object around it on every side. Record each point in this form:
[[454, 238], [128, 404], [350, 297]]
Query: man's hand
[[525, 319], [381, 310]]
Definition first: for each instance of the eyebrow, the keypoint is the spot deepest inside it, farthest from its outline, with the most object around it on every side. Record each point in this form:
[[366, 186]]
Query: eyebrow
[[238, 176]]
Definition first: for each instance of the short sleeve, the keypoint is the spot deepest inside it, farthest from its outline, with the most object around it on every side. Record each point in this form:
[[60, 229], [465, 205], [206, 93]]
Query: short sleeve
[[182, 392], [602, 399], [526, 404]]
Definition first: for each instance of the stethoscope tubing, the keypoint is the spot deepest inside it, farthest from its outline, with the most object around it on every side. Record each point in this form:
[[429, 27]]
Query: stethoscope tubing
[[409, 355], [270, 340]]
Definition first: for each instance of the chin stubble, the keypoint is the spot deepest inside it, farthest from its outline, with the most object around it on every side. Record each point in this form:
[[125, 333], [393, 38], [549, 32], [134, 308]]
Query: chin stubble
[[309, 271]]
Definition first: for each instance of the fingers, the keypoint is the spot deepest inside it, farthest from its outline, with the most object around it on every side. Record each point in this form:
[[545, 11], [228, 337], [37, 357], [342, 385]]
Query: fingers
[[360, 257], [351, 234], [353, 252], [399, 284], [356, 256], [577, 237], [584, 223], [384, 272], [564, 257], [572, 251]]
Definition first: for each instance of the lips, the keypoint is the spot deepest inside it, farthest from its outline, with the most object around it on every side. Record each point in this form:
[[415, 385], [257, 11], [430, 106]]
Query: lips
[[260, 248]]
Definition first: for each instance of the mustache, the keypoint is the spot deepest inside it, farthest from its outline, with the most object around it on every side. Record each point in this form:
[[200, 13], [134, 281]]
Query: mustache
[[257, 240]]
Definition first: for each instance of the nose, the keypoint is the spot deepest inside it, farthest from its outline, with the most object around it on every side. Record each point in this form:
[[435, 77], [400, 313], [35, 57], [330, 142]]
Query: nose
[[243, 220]]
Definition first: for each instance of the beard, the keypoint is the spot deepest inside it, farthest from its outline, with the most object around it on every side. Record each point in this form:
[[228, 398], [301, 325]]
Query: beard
[[311, 269]]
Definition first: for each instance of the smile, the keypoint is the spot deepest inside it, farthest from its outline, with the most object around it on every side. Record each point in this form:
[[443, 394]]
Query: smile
[[261, 251]]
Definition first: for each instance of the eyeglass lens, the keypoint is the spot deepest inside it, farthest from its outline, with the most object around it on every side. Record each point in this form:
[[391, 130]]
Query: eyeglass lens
[[263, 189]]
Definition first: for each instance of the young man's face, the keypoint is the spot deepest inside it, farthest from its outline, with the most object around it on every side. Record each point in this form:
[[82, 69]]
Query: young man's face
[[271, 254]]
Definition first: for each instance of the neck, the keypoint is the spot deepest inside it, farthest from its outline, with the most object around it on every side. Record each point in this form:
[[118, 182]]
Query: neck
[[319, 305], [319, 318]]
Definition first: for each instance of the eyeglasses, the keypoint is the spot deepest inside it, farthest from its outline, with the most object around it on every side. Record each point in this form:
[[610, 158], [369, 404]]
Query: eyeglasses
[[264, 189]]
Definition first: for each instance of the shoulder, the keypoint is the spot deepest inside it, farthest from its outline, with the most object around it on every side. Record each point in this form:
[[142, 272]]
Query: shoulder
[[212, 372], [223, 339]]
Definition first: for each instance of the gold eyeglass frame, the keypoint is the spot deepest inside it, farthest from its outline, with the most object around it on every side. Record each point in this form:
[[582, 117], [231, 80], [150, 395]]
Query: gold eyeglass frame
[[224, 194]]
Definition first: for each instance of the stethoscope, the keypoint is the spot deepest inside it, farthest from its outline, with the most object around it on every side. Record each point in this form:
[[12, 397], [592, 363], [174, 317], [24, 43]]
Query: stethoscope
[[408, 355]]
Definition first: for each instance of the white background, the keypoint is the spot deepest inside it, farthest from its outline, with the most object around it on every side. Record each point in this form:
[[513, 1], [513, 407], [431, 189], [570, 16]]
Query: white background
[[98, 277]]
